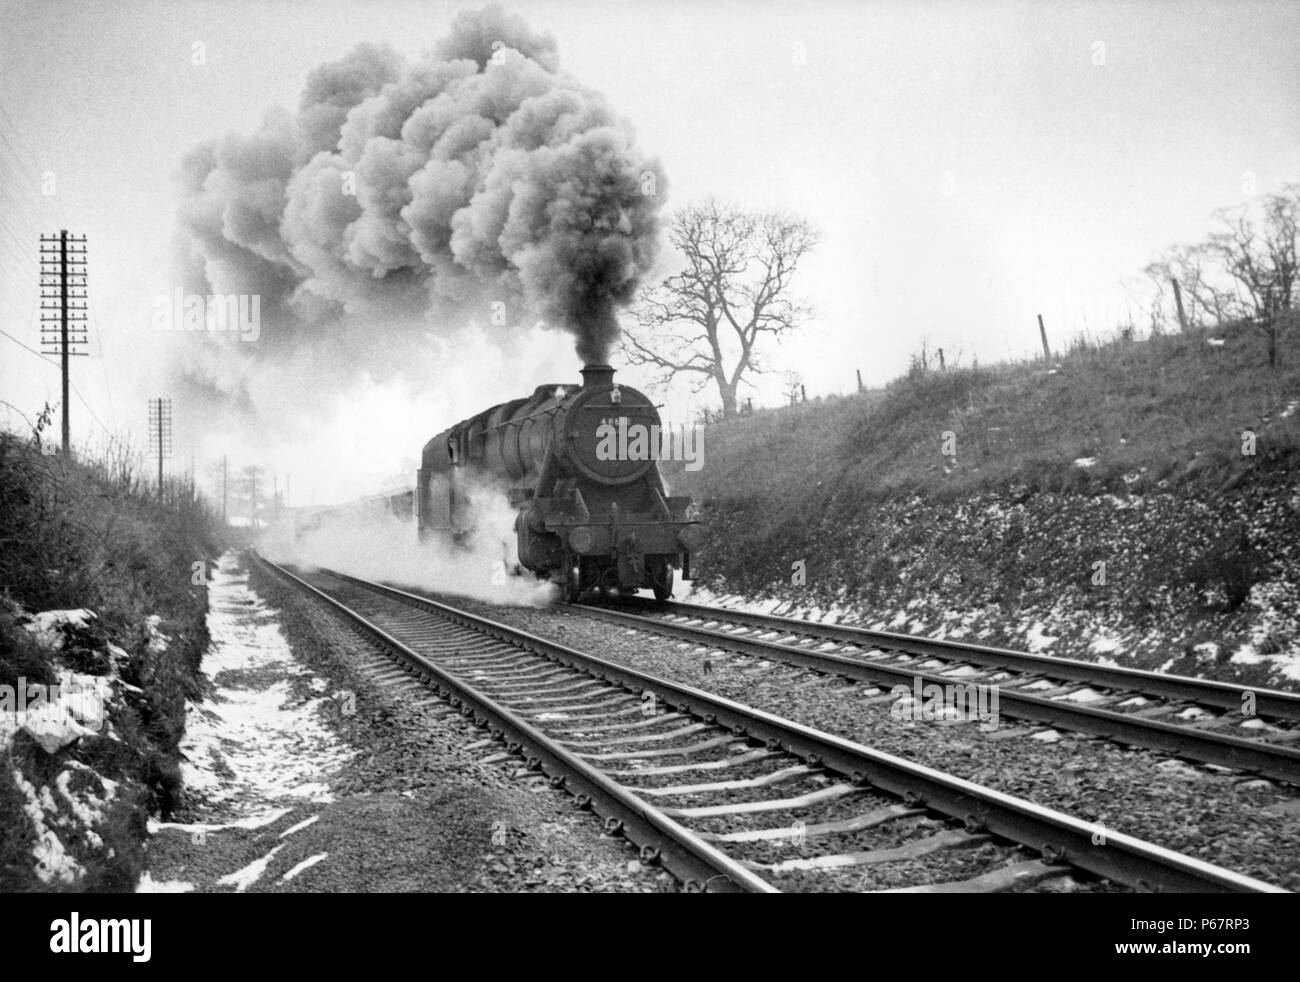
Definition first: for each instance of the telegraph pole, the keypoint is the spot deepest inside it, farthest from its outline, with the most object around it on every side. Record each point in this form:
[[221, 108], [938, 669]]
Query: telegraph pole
[[160, 434], [63, 303], [1178, 299]]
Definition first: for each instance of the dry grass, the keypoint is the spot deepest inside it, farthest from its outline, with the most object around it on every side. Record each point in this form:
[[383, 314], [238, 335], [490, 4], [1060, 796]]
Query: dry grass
[[93, 534], [1197, 536], [1171, 408]]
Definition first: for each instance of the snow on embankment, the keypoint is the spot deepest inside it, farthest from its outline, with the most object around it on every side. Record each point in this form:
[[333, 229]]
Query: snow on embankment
[[1175, 579], [51, 733], [259, 746]]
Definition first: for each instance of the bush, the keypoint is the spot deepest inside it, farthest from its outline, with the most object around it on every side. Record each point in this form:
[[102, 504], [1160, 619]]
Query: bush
[[1230, 564], [20, 658], [92, 534]]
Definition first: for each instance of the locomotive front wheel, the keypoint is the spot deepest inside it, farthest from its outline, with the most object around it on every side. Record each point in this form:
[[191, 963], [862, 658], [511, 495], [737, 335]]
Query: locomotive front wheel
[[663, 582]]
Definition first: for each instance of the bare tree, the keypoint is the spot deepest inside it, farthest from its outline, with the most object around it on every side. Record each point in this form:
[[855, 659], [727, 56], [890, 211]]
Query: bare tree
[[919, 364], [1193, 267], [792, 382], [1245, 272], [706, 322], [1260, 260]]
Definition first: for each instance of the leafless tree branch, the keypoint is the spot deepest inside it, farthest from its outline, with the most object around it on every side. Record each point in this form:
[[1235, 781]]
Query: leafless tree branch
[[709, 319]]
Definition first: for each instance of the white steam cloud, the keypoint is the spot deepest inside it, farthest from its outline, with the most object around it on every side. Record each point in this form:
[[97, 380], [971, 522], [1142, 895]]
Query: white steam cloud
[[386, 549]]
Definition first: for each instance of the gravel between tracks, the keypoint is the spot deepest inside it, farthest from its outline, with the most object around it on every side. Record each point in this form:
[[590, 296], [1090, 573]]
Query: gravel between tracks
[[415, 810], [1249, 826]]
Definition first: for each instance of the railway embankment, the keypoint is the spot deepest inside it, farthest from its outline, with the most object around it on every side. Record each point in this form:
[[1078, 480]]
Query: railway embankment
[[1136, 502], [102, 627]]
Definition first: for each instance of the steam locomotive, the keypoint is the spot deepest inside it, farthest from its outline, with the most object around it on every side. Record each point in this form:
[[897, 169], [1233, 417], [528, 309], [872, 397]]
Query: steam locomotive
[[585, 518]]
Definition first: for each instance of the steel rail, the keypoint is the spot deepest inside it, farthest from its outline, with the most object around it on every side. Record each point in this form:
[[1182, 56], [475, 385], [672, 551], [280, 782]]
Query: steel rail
[[1060, 838], [1250, 756], [1221, 695], [700, 866]]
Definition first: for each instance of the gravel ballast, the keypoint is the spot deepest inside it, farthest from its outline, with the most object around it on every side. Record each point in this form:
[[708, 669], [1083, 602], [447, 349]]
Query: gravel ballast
[[425, 802], [1247, 825]]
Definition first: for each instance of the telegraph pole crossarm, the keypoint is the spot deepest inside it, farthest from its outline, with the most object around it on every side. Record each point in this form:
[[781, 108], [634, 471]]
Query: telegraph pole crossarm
[[160, 435], [63, 307]]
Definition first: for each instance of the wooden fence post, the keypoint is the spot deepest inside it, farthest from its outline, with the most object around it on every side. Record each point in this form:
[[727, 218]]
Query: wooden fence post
[[1178, 299], [1042, 331]]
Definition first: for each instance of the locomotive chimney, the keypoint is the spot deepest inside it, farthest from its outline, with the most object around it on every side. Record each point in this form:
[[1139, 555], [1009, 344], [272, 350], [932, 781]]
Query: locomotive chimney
[[594, 375]]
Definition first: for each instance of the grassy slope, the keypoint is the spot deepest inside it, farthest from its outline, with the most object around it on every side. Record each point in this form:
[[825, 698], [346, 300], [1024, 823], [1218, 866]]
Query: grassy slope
[[93, 535], [1008, 529], [1150, 406]]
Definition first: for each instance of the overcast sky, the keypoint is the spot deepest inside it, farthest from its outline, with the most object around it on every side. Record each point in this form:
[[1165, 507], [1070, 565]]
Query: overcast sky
[[968, 165]]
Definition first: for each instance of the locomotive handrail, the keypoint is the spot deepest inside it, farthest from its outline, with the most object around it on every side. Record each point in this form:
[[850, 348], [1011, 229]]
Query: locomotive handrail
[[523, 419]]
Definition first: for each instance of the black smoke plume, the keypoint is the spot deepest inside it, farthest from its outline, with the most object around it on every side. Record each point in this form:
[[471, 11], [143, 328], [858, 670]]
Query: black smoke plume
[[479, 184]]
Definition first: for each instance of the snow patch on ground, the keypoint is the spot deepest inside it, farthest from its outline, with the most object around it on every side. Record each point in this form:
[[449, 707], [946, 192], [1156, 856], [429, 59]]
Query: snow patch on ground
[[259, 746], [1084, 695], [1036, 639], [62, 714], [256, 743], [250, 823], [1130, 501], [306, 864], [300, 826], [1064, 627], [148, 884], [1246, 655], [48, 628], [1207, 652], [53, 863], [63, 819], [244, 878]]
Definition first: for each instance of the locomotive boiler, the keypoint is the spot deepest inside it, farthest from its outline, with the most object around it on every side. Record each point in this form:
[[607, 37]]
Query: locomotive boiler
[[585, 518]]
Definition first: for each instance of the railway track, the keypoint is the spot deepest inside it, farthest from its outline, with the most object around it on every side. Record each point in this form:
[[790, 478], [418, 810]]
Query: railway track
[[1184, 717], [729, 798]]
